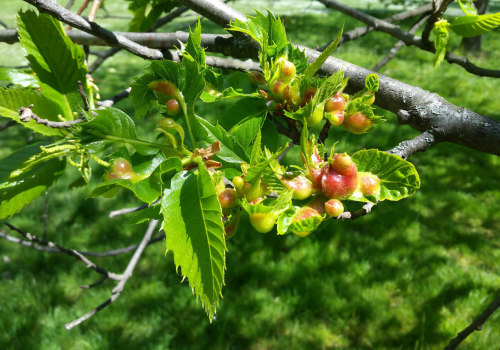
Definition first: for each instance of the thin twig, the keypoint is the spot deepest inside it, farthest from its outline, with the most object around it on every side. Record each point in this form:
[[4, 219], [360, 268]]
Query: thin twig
[[68, 251], [93, 10], [108, 253], [477, 325], [3, 24], [361, 31], [353, 215], [115, 99], [420, 143], [26, 114], [84, 96], [79, 12], [69, 4], [323, 134], [103, 56], [93, 28], [398, 46], [121, 284], [436, 14]]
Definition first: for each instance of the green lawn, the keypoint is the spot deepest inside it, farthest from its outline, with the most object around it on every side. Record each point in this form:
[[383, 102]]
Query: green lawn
[[408, 276]]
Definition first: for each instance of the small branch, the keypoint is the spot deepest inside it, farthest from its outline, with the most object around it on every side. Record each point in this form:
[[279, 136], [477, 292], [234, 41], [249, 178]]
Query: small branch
[[398, 46], [93, 10], [105, 254], [79, 12], [477, 325], [168, 18], [362, 31], [126, 276], [294, 131], [114, 213], [3, 24], [76, 21], [65, 250], [103, 56], [26, 114], [69, 4], [115, 99], [323, 134], [353, 215], [95, 284], [421, 143], [436, 14], [84, 96]]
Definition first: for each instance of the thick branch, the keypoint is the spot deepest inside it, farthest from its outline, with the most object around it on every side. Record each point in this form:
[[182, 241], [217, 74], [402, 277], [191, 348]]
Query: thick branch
[[477, 325], [126, 276], [76, 21]]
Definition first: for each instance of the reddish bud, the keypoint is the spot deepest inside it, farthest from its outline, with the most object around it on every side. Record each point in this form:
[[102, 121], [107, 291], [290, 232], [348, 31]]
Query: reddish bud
[[343, 164], [309, 94], [287, 70], [300, 185], [303, 214], [357, 123], [335, 103], [334, 207], [340, 185], [120, 169], [173, 107], [277, 89], [164, 90], [227, 198], [336, 117], [256, 78]]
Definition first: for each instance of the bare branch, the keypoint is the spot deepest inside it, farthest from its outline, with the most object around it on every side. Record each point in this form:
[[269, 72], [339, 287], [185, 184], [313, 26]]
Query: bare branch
[[69, 4], [76, 21], [93, 10], [420, 143], [115, 99], [353, 215], [168, 18], [84, 96], [477, 325], [398, 46], [3, 24], [126, 276], [409, 39], [26, 114], [68, 251], [361, 31]]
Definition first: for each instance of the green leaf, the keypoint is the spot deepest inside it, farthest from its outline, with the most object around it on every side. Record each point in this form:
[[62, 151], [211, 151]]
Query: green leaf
[[111, 122], [468, 7], [469, 26], [15, 195], [194, 48], [19, 77], [256, 153], [318, 62], [398, 178], [245, 131], [255, 172], [192, 221], [231, 153], [372, 82], [58, 62], [442, 35], [14, 98]]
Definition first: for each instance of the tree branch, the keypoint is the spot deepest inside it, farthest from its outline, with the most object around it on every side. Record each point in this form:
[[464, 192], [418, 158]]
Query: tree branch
[[436, 13], [353, 215], [116, 292], [476, 325], [67, 251], [420, 143], [361, 31], [409, 39], [398, 46], [26, 114], [76, 21]]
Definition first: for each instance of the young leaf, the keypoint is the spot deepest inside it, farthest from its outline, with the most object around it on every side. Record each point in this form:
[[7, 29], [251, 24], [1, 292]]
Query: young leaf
[[193, 46], [398, 178], [58, 63], [13, 98], [192, 221], [468, 7], [442, 34], [372, 82], [318, 62], [469, 26], [110, 122], [15, 195]]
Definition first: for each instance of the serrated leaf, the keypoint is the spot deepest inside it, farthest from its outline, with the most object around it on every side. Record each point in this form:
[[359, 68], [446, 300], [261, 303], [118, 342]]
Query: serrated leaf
[[372, 82], [256, 171], [245, 131], [111, 122], [15, 195], [194, 232], [194, 48], [256, 153], [318, 62], [18, 77], [231, 153], [442, 35], [272, 206], [58, 62], [468, 7], [13, 98], [469, 26], [398, 178]]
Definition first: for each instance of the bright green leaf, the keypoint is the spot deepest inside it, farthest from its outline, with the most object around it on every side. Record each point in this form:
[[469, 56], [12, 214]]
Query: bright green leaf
[[469, 26]]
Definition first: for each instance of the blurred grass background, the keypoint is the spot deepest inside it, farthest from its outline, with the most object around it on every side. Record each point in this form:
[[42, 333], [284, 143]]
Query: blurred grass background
[[409, 276]]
